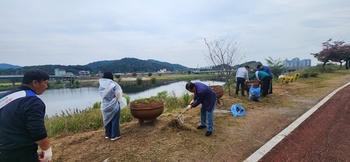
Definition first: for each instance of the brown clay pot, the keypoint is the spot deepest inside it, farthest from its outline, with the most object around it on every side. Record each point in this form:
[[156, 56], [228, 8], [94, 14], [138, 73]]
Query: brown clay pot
[[218, 89], [147, 111]]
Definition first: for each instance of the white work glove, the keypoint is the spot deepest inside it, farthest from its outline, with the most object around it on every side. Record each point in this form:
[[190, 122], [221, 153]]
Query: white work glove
[[46, 155], [188, 107]]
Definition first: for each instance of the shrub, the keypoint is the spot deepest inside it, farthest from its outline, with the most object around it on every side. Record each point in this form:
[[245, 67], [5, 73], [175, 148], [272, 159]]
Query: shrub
[[162, 94], [186, 99], [139, 81], [313, 75], [305, 75], [153, 80]]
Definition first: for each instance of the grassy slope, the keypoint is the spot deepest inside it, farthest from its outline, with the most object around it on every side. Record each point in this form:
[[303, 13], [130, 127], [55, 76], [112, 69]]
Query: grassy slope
[[234, 138]]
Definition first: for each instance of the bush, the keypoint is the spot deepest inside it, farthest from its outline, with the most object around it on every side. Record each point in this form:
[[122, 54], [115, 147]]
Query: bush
[[313, 75], [186, 99], [153, 80], [304, 75], [139, 81]]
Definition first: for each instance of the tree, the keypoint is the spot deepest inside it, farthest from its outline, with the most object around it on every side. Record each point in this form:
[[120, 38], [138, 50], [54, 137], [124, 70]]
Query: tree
[[222, 55], [336, 52], [276, 66]]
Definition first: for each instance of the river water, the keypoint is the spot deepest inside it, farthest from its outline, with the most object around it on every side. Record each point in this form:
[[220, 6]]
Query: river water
[[62, 100]]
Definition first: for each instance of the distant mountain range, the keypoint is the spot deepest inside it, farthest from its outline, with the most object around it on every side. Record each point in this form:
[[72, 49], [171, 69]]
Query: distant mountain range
[[8, 66], [125, 65]]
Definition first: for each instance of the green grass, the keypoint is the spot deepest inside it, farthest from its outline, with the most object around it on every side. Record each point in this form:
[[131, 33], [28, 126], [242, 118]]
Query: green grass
[[72, 121]]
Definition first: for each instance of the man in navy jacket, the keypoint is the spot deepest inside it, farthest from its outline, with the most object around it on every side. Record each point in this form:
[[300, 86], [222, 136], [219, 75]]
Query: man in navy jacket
[[204, 95], [22, 127]]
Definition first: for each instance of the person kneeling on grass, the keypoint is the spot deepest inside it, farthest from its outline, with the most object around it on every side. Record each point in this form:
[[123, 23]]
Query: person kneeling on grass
[[204, 95]]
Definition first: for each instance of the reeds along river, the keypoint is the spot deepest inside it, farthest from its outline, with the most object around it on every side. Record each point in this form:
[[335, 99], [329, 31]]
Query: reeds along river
[[58, 100]]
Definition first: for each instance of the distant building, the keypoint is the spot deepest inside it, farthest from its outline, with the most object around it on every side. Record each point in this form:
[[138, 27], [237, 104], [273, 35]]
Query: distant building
[[297, 63], [60, 72], [84, 73], [162, 71]]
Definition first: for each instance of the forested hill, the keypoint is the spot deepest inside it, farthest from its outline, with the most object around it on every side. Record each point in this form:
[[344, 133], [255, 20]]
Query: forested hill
[[125, 65], [130, 65], [8, 66]]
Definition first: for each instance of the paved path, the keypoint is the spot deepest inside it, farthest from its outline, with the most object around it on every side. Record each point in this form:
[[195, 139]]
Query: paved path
[[321, 134]]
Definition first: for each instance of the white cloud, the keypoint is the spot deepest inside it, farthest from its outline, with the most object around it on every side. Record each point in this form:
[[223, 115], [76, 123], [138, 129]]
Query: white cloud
[[79, 32]]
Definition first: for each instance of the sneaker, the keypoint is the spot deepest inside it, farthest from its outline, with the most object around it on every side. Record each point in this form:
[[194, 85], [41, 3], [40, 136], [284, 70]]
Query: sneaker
[[115, 138], [201, 127], [208, 133], [106, 137]]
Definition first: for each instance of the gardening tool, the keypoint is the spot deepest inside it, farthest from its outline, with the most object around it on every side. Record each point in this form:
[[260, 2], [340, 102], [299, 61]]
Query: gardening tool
[[180, 117]]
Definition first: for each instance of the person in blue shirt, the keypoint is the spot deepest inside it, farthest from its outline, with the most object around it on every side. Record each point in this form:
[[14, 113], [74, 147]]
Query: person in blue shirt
[[264, 77], [204, 95], [22, 127], [268, 71]]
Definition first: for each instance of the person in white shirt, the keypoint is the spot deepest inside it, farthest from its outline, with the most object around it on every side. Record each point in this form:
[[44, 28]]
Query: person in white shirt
[[241, 77]]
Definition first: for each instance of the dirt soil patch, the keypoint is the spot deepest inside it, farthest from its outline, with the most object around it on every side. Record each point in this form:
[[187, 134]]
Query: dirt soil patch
[[233, 139]]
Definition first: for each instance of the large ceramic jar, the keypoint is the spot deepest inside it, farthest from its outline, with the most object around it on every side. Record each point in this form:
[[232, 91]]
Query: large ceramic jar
[[219, 90], [147, 109]]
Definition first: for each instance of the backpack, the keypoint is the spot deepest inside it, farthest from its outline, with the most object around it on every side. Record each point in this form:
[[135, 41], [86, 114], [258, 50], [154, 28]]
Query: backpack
[[254, 93]]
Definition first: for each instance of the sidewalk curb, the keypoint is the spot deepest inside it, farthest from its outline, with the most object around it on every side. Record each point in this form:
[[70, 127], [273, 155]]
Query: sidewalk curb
[[258, 154]]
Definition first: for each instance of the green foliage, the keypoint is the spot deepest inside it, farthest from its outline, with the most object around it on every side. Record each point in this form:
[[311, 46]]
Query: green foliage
[[134, 74], [74, 121], [149, 74], [153, 80], [313, 75], [186, 99], [171, 101], [304, 75], [139, 81], [146, 100], [125, 115], [96, 105], [77, 83], [276, 66], [162, 95]]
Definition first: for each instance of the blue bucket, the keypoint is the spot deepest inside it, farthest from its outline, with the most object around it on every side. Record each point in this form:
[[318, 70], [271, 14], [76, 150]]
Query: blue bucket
[[237, 110]]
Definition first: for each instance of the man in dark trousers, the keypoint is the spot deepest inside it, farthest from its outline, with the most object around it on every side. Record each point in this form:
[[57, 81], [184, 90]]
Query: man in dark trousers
[[264, 77], [268, 71], [241, 78], [204, 95], [22, 127]]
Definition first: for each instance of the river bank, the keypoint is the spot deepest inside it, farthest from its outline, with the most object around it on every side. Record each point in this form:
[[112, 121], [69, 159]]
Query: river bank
[[123, 80], [233, 139]]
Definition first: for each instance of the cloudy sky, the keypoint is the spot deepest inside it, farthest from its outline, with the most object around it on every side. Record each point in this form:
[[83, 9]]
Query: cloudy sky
[[78, 32]]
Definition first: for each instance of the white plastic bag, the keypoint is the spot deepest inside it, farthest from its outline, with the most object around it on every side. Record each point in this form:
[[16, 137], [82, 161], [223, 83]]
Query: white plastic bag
[[123, 103]]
